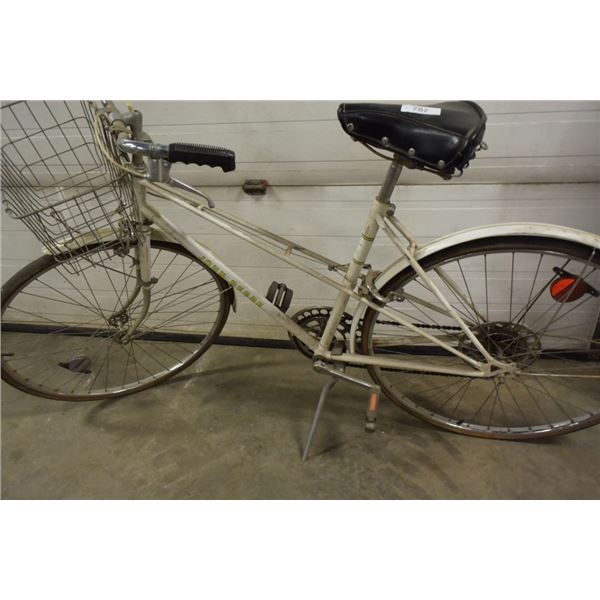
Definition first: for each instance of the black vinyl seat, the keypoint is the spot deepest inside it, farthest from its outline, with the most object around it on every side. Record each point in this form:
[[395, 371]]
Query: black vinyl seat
[[441, 138]]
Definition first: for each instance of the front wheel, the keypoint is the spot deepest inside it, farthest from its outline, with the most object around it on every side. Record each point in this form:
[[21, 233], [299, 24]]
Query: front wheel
[[530, 301], [62, 333]]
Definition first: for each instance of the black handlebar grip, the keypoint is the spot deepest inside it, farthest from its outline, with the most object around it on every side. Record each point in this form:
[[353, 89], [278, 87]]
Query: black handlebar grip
[[197, 154]]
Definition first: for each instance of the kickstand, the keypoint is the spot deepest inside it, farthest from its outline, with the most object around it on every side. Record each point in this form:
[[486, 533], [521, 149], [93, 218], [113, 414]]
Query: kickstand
[[326, 389], [337, 373]]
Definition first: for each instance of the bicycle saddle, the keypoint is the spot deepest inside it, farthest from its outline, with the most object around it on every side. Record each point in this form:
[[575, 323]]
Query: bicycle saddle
[[440, 138]]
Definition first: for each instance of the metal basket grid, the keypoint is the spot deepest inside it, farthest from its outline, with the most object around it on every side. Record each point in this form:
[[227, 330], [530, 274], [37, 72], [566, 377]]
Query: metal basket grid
[[58, 183]]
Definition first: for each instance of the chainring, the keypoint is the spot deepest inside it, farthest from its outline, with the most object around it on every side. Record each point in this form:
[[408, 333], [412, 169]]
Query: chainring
[[314, 320]]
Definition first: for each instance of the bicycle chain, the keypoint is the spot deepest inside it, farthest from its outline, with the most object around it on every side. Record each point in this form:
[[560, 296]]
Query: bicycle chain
[[380, 322], [419, 325]]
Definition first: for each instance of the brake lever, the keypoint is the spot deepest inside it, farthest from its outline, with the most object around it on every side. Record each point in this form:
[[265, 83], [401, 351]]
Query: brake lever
[[160, 169], [188, 188]]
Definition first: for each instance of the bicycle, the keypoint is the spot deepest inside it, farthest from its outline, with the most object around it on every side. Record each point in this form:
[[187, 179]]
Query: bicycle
[[490, 332]]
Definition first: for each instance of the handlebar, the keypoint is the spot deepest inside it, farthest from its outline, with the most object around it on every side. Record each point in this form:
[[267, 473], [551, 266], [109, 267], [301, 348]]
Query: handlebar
[[139, 145], [197, 154], [132, 140]]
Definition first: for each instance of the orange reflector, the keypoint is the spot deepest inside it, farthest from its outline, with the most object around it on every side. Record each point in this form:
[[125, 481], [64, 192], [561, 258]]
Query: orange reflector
[[566, 289], [373, 401]]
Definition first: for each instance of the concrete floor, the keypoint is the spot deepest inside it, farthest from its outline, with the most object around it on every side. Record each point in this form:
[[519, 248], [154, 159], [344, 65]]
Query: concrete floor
[[233, 425]]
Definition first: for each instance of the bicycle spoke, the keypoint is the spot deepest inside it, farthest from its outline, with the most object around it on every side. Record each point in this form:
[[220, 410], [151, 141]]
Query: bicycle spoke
[[578, 306], [551, 396], [562, 303], [77, 289], [462, 387], [484, 402], [487, 306], [456, 292], [512, 280], [462, 396], [467, 317], [152, 356], [86, 306], [179, 315], [158, 305], [496, 400], [518, 317]]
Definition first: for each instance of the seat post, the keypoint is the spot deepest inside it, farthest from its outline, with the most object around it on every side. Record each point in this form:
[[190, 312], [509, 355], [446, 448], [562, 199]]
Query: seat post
[[391, 179], [379, 207]]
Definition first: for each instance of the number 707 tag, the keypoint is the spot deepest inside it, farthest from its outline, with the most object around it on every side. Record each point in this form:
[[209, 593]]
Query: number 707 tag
[[421, 110]]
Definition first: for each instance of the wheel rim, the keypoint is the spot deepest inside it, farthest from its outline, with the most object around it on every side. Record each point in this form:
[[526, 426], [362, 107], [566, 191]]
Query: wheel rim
[[62, 332], [503, 292]]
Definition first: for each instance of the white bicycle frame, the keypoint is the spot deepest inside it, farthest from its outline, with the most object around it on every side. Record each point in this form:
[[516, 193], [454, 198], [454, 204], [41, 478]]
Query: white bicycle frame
[[352, 286]]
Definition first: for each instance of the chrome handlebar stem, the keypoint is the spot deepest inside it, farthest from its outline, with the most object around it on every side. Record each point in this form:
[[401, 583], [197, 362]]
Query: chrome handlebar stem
[[149, 149]]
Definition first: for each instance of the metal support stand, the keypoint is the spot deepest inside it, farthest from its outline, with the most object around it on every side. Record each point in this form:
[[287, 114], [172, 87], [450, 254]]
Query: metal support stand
[[326, 388], [337, 373]]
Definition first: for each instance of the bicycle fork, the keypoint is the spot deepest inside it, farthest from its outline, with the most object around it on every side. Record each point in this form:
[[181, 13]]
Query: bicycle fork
[[143, 270], [144, 278]]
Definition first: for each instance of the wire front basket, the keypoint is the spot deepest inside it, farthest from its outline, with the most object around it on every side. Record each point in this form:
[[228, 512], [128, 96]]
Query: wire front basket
[[58, 183]]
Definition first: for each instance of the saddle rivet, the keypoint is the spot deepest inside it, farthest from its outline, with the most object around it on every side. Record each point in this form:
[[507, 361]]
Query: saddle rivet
[[385, 141], [350, 127], [411, 151], [441, 164]]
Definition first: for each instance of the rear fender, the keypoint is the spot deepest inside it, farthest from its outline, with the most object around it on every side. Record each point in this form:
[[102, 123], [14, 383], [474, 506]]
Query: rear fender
[[479, 233]]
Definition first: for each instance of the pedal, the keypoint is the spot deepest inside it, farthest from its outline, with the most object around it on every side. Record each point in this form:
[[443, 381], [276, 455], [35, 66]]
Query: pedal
[[280, 295]]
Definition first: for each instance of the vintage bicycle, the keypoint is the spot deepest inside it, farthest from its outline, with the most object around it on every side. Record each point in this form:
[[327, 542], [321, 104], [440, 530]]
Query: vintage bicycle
[[490, 332]]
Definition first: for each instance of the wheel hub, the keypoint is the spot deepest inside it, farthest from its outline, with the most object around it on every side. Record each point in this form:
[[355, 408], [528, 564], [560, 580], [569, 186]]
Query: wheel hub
[[505, 341], [119, 319]]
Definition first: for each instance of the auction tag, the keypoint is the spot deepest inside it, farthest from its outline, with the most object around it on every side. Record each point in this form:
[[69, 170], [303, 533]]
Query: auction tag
[[420, 110]]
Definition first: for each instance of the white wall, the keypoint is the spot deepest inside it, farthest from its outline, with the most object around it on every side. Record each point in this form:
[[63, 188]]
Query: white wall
[[543, 165], [302, 143]]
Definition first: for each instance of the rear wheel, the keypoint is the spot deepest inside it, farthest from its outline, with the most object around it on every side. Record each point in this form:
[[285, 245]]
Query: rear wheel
[[62, 333], [530, 301]]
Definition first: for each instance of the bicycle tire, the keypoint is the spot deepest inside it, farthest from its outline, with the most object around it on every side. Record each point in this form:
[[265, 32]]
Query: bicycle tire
[[423, 407], [20, 282]]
